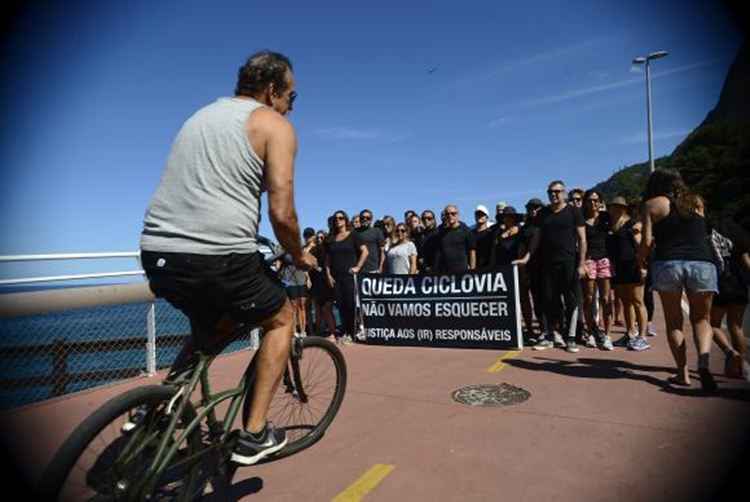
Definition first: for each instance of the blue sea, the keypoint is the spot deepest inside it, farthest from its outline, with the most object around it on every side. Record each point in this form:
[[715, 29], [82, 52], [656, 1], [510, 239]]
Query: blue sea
[[113, 322]]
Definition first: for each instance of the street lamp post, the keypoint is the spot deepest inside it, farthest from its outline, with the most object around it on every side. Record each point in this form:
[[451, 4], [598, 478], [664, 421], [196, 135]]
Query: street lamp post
[[647, 60]]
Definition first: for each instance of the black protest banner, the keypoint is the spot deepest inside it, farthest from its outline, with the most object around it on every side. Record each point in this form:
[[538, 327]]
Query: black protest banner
[[471, 310]]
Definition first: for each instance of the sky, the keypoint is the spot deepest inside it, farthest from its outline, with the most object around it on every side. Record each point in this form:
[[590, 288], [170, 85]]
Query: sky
[[522, 93]]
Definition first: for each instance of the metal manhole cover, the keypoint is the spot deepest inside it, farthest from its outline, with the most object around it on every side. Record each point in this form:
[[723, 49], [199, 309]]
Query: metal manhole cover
[[491, 395]]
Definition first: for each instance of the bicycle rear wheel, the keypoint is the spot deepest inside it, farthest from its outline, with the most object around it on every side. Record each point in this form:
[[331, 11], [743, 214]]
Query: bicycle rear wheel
[[310, 394], [108, 454]]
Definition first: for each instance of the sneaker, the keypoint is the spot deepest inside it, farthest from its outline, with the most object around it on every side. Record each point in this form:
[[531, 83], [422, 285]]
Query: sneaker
[[591, 342], [559, 342], [651, 329], [346, 340], [249, 449], [622, 342], [638, 344], [543, 344], [571, 346], [607, 344]]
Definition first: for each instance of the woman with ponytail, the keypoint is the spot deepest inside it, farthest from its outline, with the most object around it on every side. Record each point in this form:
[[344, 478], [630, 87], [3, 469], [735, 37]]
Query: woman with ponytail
[[673, 225]]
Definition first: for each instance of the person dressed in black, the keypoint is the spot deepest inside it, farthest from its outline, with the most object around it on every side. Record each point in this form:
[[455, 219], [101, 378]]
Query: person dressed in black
[[345, 256], [374, 239], [562, 244], [484, 235], [426, 242], [628, 276], [508, 246], [731, 248], [507, 239], [530, 271], [321, 292], [456, 246]]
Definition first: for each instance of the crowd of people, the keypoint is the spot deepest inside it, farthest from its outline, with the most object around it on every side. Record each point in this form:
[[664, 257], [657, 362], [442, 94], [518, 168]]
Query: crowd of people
[[585, 265]]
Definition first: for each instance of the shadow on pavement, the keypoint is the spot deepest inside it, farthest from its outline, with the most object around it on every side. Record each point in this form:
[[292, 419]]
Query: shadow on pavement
[[615, 369], [236, 491]]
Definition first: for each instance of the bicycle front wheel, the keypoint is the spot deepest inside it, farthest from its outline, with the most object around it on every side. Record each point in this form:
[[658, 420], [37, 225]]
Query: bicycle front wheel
[[109, 453], [310, 394]]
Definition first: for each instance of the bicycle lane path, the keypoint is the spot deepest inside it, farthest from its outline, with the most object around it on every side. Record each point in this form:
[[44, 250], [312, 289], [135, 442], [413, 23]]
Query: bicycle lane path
[[598, 425]]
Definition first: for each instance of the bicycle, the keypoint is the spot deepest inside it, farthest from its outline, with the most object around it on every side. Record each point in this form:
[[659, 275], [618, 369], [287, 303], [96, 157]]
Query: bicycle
[[155, 443]]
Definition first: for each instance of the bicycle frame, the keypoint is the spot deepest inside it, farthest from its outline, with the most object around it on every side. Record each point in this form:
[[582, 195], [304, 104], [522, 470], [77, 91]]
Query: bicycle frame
[[187, 383]]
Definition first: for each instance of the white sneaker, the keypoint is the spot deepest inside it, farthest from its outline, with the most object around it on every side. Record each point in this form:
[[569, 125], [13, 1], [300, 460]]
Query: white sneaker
[[558, 340], [651, 329], [591, 342]]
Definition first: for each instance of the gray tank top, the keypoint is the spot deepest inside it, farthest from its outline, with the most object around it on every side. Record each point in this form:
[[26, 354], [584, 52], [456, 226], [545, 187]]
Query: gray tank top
[[208, 200]]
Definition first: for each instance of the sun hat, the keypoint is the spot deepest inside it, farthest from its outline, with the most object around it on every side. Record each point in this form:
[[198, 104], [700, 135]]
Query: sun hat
[[619, 201]]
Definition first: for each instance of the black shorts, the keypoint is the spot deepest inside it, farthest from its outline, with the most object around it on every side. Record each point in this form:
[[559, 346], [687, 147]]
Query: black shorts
[[626, 272], [207, 287], [732, 291]]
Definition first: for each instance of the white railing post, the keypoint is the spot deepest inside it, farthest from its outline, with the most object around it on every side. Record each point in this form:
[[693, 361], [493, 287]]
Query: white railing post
[[151, 340]]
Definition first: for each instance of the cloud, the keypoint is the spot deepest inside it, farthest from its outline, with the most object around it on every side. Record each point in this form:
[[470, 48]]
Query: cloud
[[577, 93], [498, 122], [641, 138], [561, 53]]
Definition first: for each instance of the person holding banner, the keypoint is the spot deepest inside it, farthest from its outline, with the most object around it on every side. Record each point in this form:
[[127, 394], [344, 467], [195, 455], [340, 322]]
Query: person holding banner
[[426, 242], [401, 257], [456, 245], [345, 256], [562, 244]]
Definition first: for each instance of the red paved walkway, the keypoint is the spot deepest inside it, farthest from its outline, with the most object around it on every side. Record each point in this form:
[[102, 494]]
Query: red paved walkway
[[598, 426]]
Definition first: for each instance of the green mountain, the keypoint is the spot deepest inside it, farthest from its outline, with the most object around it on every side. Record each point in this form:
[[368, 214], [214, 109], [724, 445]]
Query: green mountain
[[714, 159]]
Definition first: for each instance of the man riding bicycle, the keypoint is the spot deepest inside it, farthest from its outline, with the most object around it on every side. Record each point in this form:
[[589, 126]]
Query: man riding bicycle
[[198, 245]]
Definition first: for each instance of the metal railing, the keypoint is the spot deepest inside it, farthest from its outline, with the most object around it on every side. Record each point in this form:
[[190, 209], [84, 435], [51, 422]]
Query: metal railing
[[58, 341]]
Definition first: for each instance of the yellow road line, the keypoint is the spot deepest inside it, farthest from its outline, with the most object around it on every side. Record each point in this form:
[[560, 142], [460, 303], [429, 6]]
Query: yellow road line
[[499, 364], [365, 484]]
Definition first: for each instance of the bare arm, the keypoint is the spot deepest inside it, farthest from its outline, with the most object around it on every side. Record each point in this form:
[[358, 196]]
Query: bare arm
[[582, 249], [745, 260], [647, 235], [363, 253], [280, 151], [329, 276], [413, 264]]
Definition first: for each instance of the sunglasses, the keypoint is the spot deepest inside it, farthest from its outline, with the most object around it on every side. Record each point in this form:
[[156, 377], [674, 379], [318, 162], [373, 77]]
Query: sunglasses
[[427, 218], [339, 217], [401, 230], [367, 217], [555, 191], [451, 213], [292, 96], [577, 199]]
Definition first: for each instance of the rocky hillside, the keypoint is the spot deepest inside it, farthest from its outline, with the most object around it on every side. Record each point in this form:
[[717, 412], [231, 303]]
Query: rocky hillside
[[715, 158]]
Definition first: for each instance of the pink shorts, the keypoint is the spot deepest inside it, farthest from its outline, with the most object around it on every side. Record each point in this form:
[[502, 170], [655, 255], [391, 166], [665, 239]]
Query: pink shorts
[[598, 269]]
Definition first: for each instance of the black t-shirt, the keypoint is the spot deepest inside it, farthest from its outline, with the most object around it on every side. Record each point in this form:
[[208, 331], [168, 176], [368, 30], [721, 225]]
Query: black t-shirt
[[507, 249], [596, 237], [454, 246], [621, 244], [343, 254], [484, 239], [372, 238], [429, 245], [559, 236]]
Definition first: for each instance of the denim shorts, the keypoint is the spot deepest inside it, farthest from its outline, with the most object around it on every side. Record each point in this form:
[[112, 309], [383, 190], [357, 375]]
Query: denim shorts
[[674, 276]]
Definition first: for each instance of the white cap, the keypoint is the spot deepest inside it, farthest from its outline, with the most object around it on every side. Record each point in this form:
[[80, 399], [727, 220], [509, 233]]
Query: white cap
[[482, 209], [501, 205]]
